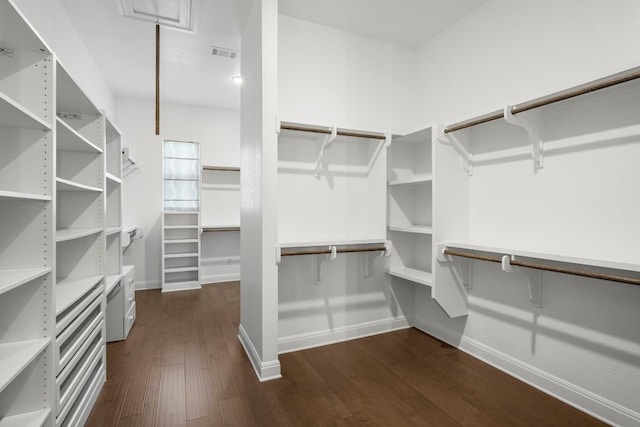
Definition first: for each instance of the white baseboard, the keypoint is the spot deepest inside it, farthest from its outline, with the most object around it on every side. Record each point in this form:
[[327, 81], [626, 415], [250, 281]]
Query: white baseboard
[[325, 337], [182, 286], [594, 405], [265, 371], [219, 278], [149, 284]]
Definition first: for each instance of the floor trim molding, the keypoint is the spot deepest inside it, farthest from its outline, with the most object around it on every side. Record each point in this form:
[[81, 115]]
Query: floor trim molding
[[265, 371]]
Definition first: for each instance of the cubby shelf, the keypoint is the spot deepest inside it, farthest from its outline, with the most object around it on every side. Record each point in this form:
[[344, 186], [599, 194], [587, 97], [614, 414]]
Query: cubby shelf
[[418, 179], [11, 279], [13, 195], [13, 114], [418, 229], [113, 178], [68, 185], [412, 274], [69, 139], [29, 419], [66, 234], [181, 241], [71, 289], [16, 356], [181, 255]]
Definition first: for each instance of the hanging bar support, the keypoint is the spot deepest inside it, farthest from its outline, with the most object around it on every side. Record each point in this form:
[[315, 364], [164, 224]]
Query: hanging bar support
[[531, 122]]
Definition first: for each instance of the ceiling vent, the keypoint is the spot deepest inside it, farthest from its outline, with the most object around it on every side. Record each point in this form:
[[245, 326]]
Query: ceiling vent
[[224, 52], [170, 13]]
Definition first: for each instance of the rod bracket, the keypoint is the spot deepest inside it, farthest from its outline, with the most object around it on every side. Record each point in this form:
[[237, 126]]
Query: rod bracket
[[370, 257], [466, 158], [464, 267], [326, 141], [534, 278], [319, 259], [531, 122]]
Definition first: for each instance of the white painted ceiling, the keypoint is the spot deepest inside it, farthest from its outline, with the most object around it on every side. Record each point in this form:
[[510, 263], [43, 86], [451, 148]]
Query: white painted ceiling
[[124, 48]]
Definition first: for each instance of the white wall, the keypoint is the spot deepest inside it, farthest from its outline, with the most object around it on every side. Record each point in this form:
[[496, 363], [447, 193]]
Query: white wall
[[51, 21], [583, 344], [217, 131]]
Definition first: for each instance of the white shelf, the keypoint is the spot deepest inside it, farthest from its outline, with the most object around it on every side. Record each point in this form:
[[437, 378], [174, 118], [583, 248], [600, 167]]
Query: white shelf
[[291, 245], [11, 279], [72, 289], [69, 139], [417, 229], [179, 227], [412, 274], [181, 269], [13, 114], [181, 255], [14, 357], [65, 234], [627, 265], [13, 195], [28, 419], [113, 230], [180, 212], [67, 185], [418, 179], [182, 241], [113, 178], [112, 281]]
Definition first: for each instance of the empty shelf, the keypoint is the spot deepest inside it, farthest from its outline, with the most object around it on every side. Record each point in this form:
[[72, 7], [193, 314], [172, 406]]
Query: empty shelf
[[182, 241], [112, 281], [11, 279], [75, 233], [113, 178], [412, 274], [66, 185], [14, 357], [181, 269], [28, 419], [113, 230], [13, 114], [13, 195], [69, 139], [220, 228], [72, 289], [418, 179], [418, 229], [181, 255]]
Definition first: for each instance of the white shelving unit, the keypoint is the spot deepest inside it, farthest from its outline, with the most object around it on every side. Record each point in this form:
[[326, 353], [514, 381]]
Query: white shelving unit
[[80, 251], [410, 206], [27, 186], [180, 250], [220, 211]]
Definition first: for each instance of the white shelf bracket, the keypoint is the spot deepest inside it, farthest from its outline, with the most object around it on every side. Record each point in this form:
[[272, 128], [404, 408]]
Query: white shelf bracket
[[278, 124], [531, 122], [370, 257], [534, 278], [463, 266], [278, 254], [387, 140], [319, 259], [466, 158], [327, 140]]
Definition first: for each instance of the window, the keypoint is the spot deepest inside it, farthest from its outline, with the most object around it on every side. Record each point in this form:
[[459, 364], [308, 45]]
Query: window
[[181, 172]]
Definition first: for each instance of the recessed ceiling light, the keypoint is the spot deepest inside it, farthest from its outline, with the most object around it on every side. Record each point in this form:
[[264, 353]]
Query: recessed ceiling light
[[236, 79]]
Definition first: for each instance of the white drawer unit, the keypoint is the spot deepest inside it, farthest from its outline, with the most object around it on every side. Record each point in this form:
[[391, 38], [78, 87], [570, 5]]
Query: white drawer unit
[[121, 306]]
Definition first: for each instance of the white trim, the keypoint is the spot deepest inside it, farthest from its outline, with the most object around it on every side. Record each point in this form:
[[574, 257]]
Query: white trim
[[181, 286], [578, 397], [219, 278], [265, 371], [143, 285], [345, 333]]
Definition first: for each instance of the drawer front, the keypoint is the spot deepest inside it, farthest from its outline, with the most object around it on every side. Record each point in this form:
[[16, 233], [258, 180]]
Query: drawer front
[[129, 288], [129, 319]]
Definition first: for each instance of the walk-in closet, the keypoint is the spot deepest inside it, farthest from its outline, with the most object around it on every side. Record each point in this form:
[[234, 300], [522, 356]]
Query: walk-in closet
[[290, 212]]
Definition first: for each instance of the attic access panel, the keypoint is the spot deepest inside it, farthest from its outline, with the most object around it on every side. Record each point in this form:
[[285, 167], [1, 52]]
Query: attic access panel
[[172, 13]]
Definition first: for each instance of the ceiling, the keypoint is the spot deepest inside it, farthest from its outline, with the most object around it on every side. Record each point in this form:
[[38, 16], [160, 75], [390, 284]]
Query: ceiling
[[124, 48]]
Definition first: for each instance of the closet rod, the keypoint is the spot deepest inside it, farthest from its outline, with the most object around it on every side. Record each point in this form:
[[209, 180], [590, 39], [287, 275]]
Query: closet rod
[[328, 251], [327, 131], [221, 168], [604, 83], [526, 264]]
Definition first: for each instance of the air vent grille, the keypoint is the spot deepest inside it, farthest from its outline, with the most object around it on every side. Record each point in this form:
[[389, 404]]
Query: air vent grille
[[224, 52]]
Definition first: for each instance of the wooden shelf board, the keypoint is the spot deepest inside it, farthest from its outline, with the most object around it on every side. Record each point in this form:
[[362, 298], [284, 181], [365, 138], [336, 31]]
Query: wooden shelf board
[[13, 114], [630, 265], [68, 139], [113, 178], [112, 281], [67, 185], [412, 274], [16, 356], [11, 279], [418, 179], [65, 234], [14, 195], [28, 419], [181, 255], [416, 229], [71, 289]]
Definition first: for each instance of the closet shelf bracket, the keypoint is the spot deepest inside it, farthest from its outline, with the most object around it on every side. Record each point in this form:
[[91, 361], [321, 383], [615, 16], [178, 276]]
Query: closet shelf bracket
[[326, 141], [318, 260], [370, 257], [531, 122], [533, 276], [462, 267], [466, 158]]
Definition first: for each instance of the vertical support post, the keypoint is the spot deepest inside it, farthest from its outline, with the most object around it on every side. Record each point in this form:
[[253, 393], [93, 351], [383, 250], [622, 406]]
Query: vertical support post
[[157, 79]]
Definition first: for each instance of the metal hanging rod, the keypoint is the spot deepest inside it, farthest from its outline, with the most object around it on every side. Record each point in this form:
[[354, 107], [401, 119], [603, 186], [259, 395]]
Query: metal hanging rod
[[221, 168], [219, 229], [526, 264], [596, 85], [326, 250], [327, 131]]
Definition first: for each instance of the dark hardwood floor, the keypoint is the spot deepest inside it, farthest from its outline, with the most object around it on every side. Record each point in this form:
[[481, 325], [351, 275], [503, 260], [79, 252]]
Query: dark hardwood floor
[[183, 365]]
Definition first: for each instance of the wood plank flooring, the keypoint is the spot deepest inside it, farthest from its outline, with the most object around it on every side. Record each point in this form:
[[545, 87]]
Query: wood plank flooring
[[183, 365]]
